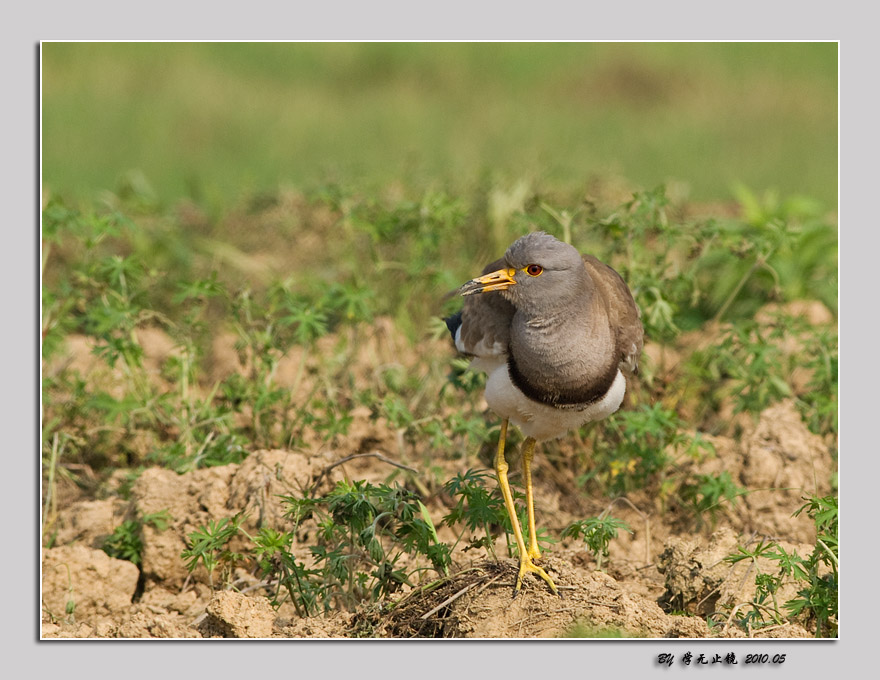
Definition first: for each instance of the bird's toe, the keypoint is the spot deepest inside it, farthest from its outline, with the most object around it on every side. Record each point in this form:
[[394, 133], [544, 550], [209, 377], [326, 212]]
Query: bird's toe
[[526, 566]]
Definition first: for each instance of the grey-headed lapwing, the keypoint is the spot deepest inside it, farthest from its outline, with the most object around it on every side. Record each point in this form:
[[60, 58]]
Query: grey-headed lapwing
[[555, 334]]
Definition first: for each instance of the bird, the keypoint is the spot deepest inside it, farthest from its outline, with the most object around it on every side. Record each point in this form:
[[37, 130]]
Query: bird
[[556, 332]]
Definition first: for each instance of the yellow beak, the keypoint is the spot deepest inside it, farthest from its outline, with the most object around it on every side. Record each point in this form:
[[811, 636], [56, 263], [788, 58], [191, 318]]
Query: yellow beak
[[500, 280]]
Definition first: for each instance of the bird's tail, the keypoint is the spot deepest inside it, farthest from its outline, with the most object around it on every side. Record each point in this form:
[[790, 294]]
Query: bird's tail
[[453, 323]]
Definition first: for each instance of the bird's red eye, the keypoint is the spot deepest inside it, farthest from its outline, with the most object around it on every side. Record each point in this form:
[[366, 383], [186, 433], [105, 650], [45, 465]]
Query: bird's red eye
[[534, 270]]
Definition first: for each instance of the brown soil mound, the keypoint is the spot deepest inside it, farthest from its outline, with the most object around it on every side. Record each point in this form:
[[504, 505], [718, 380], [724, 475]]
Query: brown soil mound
[[659, 581]]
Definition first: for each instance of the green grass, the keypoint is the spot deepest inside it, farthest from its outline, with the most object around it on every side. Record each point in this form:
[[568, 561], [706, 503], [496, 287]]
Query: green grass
[[215, 121], [108, 275]]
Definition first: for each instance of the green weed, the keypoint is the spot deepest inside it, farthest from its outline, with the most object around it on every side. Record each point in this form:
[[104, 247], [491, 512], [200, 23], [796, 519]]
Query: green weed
[[356, 521], [362, 533], [818, 598], [818, 405], [705, 493], [817, 601], [127, 540], [638, 447], [751, 364], [210, 546], [476, 507], [597, 533], [273, 551], [479, 510]]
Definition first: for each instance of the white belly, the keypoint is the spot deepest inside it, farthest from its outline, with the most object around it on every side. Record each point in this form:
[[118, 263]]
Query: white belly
[[538, 420]]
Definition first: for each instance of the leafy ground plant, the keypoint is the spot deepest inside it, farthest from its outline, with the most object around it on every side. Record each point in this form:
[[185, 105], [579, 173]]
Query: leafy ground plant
[[597, 533], [363, 532], [127, 540], [369, 539], [476, 508], [480, 511], [705, 494], [639, 447], [817, 576], [210, 546], [818, 598]]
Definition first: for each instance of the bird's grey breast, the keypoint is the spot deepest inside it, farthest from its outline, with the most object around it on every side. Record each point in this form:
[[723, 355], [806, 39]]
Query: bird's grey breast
[[566, 362]]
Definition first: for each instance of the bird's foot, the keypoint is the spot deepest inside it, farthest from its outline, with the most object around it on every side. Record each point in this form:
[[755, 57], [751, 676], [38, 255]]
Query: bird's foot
[[526, 565]]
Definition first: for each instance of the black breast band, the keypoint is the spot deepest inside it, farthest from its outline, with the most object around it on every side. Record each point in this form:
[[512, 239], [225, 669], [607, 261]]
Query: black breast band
[[563, 399]]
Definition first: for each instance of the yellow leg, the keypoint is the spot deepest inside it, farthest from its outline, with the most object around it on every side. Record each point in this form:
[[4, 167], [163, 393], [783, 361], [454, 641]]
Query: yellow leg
[[525, 561], [528, 454]]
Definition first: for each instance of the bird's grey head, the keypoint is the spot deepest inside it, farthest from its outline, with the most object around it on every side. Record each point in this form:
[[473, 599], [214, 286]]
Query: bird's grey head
[[546, 269], [543, 249], [540, 273]]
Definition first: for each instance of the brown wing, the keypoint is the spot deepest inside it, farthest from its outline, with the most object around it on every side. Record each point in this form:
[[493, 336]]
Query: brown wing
[[485, 321], [623, 313]]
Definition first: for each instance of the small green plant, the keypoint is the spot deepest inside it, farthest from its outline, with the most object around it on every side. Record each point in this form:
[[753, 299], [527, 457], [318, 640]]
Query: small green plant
[[817, 600], [818, 405], [597, 533], [269, 549], [363, 530], [462, 378], [127, 540], [636, 449], [706, 493], [209, 545], [764, 604], [656, 257], [476, 508], [274, 553], [267, 327], [750, 362], [479, 509]]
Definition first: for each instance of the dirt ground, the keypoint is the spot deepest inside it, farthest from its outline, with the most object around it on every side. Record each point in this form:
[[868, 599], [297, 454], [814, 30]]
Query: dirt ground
[[660, 581]]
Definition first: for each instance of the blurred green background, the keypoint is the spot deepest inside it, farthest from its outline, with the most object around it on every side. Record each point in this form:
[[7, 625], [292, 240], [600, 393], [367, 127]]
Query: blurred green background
[[218, 121]]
